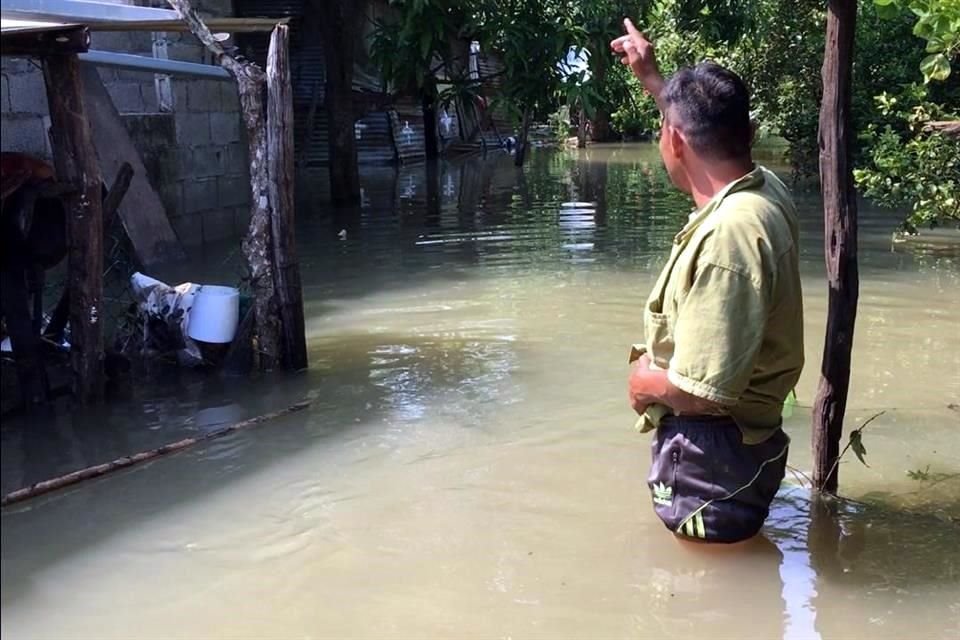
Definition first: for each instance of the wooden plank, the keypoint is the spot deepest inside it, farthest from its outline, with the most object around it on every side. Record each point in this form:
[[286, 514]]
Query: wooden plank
[[281, 172], [141, 211], [217, 25], [840, 225], [76, 163], [45, 43]]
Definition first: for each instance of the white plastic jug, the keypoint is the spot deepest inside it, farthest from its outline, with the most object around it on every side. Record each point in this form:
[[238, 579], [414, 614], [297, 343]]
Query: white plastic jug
[[215, 314]]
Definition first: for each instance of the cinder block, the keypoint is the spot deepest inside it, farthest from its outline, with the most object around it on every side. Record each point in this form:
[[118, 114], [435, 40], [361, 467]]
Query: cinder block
[[27, 93], [242, 219], [189, 229], [112, 41], [186, 51], [25, 133], [206, 162], [193, 129], [203, 95], [141, 42], [4, 95], [229, 97], [127, 97], [151, 103], [132, 75], [218, 224], [224, 127], [171, 194], [199, 195], [233, 191], [236, 161], [180, 94]]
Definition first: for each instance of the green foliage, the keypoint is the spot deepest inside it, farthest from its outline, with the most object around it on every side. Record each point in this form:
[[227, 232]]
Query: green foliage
[[530, 38], [856, 444], [415, 42], [938, 22], [910, 166], [637, 116]]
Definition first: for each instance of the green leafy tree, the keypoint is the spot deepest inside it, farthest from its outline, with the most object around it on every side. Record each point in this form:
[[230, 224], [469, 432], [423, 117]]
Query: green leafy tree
[[418, 39], [908, 161]]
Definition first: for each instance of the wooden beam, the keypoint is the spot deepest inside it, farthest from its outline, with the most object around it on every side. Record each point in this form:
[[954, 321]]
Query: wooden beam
[[142, 212], [218, 25], [76, 162], [281, 172], [46, 43], [61, 313], [840, 238]]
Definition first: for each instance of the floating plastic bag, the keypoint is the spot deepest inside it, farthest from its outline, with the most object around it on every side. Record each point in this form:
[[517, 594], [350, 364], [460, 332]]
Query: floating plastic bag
[[165, 312]]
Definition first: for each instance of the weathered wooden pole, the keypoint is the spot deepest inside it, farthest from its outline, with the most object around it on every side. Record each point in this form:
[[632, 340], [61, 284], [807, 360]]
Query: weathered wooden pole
[[258, 245], [339, 25], [281, 172], [75, 160], [840, 227]]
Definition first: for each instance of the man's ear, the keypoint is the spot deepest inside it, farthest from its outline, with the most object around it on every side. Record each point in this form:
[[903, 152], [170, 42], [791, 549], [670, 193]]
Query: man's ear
[[676, 143]]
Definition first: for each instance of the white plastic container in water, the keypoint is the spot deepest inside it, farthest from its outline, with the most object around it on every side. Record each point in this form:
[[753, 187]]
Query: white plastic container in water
[[215, 314]]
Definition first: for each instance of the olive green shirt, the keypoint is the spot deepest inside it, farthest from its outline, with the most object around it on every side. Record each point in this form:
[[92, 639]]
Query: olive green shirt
[[725, 318]]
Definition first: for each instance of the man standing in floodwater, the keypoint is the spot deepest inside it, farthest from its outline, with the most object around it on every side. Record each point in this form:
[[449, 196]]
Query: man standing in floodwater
[[724, 323]]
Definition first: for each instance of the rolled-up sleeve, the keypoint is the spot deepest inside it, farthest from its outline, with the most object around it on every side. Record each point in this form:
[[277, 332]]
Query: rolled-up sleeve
[[718, 333]]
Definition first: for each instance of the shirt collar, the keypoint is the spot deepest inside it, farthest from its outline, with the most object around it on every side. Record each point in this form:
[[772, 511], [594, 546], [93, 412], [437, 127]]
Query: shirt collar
[[750, 180]]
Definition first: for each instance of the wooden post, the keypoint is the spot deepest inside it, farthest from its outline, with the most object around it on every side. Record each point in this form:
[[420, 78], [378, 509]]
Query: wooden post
[[840, 226], [61, 313], [339, 25], [258, 246], [76, 163], [281, 173]]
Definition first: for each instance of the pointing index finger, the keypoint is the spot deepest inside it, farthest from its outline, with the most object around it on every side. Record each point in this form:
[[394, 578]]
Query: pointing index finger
[[632, 30]]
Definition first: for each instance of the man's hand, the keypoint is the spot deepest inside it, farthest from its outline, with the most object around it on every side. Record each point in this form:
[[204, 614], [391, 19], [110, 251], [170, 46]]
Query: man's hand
[[634, 49], [636, 389], [648, 386]]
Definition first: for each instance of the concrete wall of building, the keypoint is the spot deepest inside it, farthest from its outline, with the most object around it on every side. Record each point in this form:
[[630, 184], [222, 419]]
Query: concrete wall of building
[[196, 155]]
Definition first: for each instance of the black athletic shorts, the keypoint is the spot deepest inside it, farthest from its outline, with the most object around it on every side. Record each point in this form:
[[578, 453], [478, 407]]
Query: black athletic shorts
[[707, 484]]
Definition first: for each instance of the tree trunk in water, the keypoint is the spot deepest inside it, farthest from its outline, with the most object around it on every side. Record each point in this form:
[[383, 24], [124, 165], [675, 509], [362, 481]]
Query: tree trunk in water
[[281, 172], [258, 245], [600, 124], [582, 129], [431, 145], [339, 26], [76, 163], [840, 226], [521, 153]]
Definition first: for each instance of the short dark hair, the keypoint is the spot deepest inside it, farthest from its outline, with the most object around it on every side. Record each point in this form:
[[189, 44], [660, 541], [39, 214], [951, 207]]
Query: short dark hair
[[711, 106]]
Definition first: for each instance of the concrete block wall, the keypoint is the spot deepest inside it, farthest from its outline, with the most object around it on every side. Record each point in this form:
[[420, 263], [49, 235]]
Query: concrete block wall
[[196, 156]]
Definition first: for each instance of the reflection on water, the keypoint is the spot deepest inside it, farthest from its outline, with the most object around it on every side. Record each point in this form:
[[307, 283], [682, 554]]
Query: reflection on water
[[468, 467]]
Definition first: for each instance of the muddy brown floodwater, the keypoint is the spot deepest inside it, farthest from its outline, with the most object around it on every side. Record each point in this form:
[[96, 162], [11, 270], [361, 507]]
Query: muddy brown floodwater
[[469, 467]]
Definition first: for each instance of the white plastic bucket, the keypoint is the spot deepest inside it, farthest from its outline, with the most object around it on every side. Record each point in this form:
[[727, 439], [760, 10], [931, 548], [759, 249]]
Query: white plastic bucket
[[215, 314]]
